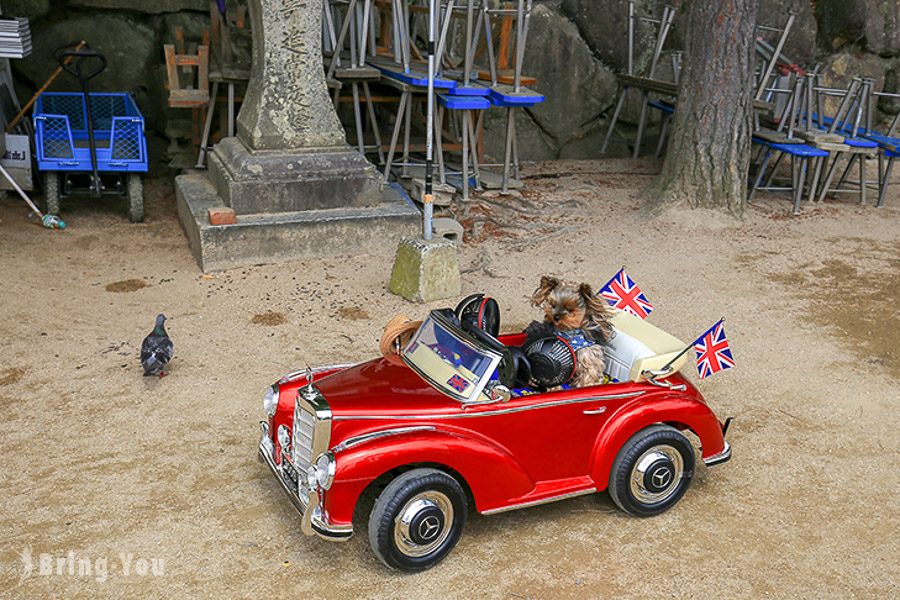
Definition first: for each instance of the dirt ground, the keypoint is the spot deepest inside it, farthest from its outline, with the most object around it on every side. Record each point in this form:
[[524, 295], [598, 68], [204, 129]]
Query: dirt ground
[[114, 470]]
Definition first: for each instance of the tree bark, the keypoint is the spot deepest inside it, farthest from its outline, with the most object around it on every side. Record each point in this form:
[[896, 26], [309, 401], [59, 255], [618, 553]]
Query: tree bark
[[708, 153]]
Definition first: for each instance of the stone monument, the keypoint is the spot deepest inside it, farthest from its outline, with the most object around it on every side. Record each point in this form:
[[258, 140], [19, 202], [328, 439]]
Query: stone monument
[[296, 188]]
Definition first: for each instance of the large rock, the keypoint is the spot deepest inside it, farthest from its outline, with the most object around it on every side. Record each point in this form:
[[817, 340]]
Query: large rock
[[155, 6], [577, 87], [839, 69], [33, 9], [605, 29], [886, 104], [873, 24], [801, 42]]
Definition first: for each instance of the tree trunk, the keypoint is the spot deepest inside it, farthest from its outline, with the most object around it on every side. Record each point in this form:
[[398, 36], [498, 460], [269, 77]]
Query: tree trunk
[[709, 149]]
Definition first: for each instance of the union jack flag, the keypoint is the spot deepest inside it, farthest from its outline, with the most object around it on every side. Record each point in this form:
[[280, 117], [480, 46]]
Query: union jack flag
[[621, 292], [458, 383], [713, 351]]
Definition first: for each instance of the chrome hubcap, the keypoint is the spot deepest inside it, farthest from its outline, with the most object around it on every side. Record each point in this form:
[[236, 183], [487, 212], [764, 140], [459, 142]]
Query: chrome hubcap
[[423, 524], [656, 474]]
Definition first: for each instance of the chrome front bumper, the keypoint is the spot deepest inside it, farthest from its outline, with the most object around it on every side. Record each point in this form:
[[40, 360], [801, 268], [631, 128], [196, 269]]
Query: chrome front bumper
[[312, 519], [718, 459]]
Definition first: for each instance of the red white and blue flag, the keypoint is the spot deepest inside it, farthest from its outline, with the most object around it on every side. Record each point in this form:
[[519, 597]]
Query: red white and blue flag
[[621, 292], [458, 383], [713, 351]]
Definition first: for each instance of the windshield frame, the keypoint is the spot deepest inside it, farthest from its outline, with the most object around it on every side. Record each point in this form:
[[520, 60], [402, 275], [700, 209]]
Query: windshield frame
[[455, 331]]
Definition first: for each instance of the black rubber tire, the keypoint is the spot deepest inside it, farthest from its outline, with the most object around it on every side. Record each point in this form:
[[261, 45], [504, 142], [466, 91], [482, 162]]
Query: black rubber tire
[[135, 189], [51, 192], [641, 442], [392, 500]]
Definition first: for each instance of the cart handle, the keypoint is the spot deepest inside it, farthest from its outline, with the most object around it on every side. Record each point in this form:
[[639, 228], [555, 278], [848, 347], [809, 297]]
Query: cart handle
[[81, 57]]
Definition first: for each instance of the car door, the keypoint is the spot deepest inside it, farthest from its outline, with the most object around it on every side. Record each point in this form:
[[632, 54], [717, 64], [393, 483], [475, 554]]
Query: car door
[[550, 434]]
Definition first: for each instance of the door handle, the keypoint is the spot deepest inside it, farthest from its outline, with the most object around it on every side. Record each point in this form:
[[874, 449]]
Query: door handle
[[595, 411]]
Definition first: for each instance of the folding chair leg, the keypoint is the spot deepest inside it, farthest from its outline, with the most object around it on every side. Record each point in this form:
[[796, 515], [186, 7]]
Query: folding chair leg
[[373, 122], [832, 169], [395, 135], [814, 183], [407, 119], [642, 122], [846, 172], [862, 179], [504, 189], [439, 141], [515, 150], [771, 177], [465, 157], [473, 146], [357, 118], [798, 187], [663, 130], [615, 118], [759, 176], [885, 180], [204, 140]]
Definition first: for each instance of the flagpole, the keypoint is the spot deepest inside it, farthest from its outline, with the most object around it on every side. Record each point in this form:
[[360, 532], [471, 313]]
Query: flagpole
[[689, 346], [429, 131]]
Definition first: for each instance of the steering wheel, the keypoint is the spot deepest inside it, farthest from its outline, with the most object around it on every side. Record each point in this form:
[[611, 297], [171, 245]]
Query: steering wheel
[[514, 370]]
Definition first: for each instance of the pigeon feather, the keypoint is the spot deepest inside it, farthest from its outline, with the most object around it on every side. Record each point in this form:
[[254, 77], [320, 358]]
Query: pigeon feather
[[156, 351]]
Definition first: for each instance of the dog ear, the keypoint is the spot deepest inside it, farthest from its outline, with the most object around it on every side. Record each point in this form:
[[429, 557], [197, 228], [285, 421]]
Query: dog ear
[[597, 312], [548, 284]]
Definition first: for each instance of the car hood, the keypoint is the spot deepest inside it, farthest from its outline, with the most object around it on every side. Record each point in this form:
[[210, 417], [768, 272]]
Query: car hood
[[383, 386]]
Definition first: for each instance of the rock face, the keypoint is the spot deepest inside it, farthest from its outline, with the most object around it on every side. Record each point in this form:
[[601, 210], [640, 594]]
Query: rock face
[[872, 24], [576, 86], [575, 48], [156, 6]]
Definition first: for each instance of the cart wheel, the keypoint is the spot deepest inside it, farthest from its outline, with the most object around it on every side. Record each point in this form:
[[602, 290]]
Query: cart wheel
[[51, 192], [135, 198]]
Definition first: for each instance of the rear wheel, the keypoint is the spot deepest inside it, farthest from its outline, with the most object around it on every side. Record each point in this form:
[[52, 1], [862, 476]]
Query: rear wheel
[[652, 471], [135, 198], [417, 519], [51, 192]]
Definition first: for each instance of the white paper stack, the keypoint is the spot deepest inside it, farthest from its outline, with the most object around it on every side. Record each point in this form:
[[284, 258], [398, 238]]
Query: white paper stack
[[15, 37]]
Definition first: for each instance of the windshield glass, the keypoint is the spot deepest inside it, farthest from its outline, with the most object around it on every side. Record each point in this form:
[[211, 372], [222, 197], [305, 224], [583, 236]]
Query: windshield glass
[[450, 363]]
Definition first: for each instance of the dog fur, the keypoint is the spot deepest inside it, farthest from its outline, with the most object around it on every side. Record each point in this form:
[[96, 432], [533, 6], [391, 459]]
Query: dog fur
[[569, 306]]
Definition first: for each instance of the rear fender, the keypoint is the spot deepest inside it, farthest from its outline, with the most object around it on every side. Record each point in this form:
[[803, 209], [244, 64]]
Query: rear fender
[[489, 471], [644, 412]]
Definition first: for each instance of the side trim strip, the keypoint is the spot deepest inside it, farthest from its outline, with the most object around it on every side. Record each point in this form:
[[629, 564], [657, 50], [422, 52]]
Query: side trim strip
[[494, 511], [374, 435], [491, 413]]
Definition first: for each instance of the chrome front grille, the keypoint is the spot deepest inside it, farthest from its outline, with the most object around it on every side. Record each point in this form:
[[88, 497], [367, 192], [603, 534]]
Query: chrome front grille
[[302, 446]]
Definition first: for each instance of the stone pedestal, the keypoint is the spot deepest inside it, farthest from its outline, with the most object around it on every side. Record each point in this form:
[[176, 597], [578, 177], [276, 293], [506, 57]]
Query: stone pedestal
[[295, 186], [426, 271]]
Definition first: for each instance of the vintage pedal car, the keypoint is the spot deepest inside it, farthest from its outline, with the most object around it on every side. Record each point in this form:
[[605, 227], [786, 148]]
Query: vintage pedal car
[[442, 427]]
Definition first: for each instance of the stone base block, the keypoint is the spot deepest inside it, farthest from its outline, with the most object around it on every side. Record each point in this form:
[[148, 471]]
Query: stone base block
[[426, 271], [292, 180], [268, 238]]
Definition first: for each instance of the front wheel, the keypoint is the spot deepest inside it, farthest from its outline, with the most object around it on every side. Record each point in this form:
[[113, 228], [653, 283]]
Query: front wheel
[[135, 198], [652, 471], [417, 519], [51, 192]]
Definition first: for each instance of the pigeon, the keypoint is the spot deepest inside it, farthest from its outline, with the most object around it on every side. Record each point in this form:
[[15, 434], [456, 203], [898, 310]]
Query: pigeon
[[156, 351]]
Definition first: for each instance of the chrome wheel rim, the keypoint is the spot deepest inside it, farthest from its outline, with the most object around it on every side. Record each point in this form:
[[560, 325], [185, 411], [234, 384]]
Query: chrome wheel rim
[[423, 524], [656, 474]]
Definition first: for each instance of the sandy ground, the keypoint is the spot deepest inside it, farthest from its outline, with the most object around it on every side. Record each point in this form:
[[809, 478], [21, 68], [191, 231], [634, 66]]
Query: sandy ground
[[109, 466]]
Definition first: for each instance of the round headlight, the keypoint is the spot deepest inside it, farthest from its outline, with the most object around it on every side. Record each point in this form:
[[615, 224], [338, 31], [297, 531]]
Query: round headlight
[[270, 400], [284, 437], [325, 470]]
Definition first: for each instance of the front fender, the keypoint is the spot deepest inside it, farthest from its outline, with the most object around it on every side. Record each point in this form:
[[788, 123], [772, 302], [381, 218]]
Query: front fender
[[643, 412], [490, 472]]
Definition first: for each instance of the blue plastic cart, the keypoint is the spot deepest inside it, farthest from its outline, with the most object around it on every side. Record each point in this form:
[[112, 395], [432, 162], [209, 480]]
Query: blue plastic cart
[[97, 147]]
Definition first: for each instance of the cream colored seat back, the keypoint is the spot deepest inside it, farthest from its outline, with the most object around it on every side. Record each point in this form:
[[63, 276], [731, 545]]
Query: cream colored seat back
[[639, 346]]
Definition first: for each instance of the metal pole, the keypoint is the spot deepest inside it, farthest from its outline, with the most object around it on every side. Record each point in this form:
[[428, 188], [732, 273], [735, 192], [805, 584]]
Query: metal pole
[[429, 129], [631, 37]]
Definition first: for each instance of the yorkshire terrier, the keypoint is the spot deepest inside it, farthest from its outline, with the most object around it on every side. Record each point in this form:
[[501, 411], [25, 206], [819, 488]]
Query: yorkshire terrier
[[573, 311]]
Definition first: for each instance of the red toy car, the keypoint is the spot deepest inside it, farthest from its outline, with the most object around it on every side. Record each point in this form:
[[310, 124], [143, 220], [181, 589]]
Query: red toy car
[[432, 431]]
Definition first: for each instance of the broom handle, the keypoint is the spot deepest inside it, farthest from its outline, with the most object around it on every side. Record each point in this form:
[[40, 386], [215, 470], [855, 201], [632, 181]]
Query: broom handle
[[44, 87]]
